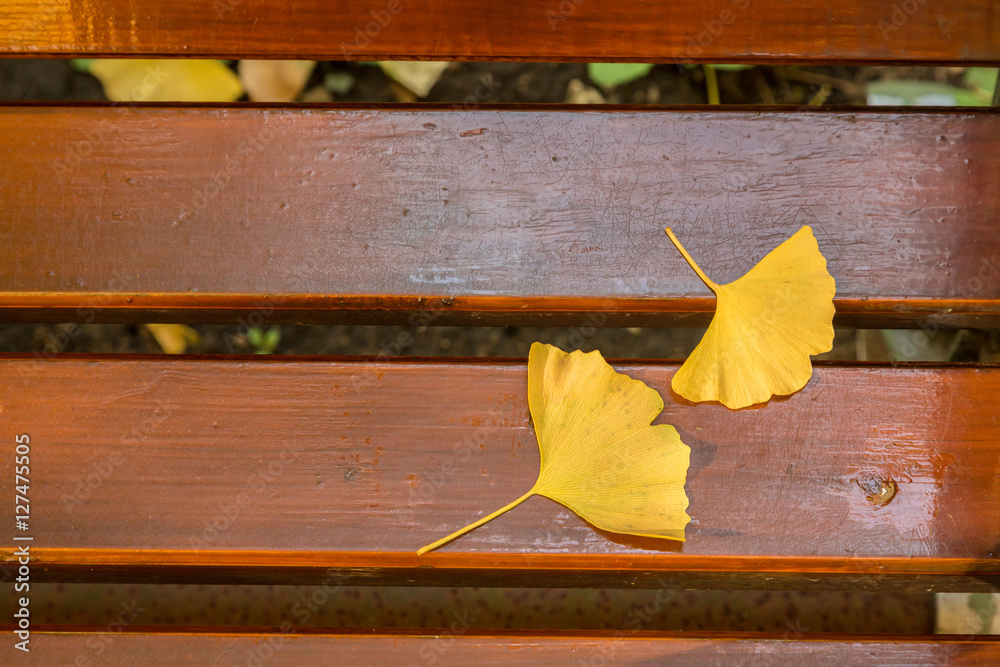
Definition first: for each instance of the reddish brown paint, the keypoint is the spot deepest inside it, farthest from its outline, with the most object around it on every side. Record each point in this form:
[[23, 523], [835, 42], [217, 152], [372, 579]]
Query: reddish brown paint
[[151, 498], [546, 217], [135, 461], [596, 30], [458, 646], [684, 311]]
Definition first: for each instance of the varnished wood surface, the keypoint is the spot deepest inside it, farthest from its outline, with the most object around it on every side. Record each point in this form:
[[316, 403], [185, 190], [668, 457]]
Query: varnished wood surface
[[456, 645], [588, 30], [289, 470], [492, 216]]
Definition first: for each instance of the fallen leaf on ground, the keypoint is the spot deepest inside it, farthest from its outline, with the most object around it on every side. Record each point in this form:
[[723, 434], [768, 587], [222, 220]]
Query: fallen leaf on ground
[[577, 92], [166, 80], [275, 80], [417, 76], [766, 325], [600, 456], [317, 94], [173, 338]]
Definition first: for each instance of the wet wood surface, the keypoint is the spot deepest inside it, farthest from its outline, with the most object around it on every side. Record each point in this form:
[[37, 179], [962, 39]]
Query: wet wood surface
[[490, 216], [291, 470], [550, 30], [458, 646]]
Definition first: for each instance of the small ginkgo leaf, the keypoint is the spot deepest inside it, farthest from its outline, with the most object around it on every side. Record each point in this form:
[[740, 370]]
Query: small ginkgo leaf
[[127, 80], [600, 456], [766, 325]]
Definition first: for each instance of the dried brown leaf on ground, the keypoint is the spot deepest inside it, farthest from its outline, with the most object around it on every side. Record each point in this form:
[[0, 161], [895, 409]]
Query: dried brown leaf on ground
[[275, 80]]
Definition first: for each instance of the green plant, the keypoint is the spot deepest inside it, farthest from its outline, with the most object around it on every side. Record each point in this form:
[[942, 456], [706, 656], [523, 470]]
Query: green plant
[[982, 81], [609, 75], [264, 342], [712, 82]]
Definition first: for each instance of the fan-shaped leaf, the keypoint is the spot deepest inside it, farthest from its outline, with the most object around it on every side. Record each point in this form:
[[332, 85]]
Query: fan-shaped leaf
[[600, 456], [766, 325]]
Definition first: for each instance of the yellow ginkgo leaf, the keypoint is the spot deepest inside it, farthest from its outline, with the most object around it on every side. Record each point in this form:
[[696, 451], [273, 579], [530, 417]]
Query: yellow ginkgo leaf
[[173, 338], [127, 80], [600, 456], [766, 325]]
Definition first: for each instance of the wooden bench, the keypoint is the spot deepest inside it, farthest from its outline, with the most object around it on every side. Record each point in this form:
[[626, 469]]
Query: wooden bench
[[335, 470]]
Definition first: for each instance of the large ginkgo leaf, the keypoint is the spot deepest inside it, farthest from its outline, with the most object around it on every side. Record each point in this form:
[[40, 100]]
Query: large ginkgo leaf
[[600, 456], [766, 325]]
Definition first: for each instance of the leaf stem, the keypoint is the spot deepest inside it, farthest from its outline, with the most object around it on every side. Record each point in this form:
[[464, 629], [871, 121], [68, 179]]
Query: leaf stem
[[711, 83], [697, 269], [445, 540]]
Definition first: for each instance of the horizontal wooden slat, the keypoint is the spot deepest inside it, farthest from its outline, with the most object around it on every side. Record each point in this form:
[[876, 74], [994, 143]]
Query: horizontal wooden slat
[[459, 646], [492, 216], [294, 470], [594, 30]]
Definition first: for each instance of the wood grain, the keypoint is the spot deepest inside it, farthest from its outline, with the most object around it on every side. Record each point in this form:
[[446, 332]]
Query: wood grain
[[458, 646], [489, 216], [292, 470], [966, 31]]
